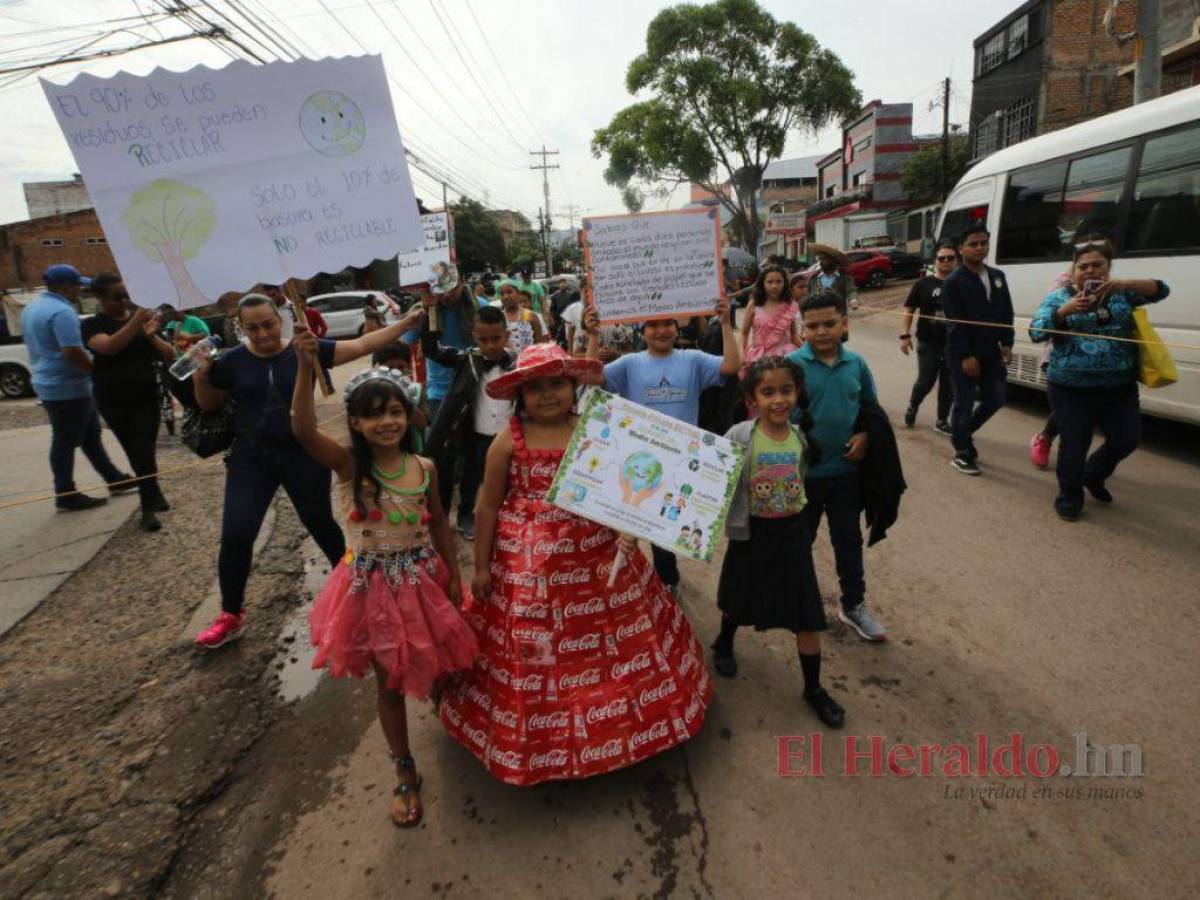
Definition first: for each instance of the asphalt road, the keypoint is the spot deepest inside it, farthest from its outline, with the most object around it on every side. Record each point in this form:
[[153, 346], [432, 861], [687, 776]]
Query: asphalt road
[[1003, 620]]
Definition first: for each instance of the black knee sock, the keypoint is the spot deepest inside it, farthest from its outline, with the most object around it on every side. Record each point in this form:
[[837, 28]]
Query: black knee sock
[[810, 665], [725, 638]]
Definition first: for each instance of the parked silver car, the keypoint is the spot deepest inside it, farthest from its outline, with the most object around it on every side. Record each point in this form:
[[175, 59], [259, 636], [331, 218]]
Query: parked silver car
[[343, 311]]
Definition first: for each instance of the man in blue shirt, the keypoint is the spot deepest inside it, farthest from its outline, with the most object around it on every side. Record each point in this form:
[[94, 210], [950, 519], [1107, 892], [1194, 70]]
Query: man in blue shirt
[[455, 312], [837, 382], [669, 381], [62, 379]]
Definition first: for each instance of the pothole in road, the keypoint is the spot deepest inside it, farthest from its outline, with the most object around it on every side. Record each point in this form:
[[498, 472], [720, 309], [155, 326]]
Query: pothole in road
[[297, 677]]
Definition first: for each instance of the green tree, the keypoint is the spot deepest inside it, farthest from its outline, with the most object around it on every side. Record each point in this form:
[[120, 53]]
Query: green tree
[[633, 198], [567, 256], [524, 250], [922, 179], [727, 83], [477, 238]]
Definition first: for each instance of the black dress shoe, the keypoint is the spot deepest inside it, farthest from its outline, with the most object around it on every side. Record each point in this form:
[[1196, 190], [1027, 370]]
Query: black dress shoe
[[827, 709], [75, 501], [1068, 512], [122, 484], [910, 417], [150, 521], [724, 661], [1099, 491]]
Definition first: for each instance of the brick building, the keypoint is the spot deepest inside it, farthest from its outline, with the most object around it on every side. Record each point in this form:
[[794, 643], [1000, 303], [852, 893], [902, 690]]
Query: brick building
[[859, 183], [1049, 64], [28, 248]]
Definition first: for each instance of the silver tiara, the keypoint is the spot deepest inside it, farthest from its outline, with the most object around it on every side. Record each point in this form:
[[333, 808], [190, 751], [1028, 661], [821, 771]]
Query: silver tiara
[[412, 390]]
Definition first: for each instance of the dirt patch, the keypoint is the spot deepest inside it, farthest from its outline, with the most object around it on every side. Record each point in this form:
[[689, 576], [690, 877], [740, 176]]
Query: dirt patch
[[21, 414], [117, 730]]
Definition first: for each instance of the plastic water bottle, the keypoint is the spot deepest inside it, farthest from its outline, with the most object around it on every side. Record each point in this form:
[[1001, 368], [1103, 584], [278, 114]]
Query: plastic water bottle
[[185, 367]]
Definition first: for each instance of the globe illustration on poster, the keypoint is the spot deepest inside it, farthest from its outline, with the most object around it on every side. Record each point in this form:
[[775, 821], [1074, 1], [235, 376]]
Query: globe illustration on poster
[[643, 472], [332, 124]]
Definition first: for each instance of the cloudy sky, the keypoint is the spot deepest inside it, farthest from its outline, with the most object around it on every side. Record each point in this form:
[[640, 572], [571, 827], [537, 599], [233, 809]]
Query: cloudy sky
[[530, 72]]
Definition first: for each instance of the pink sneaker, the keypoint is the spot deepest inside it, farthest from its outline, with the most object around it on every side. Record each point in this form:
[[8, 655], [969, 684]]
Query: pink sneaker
[[1039, 451], [226, 628]]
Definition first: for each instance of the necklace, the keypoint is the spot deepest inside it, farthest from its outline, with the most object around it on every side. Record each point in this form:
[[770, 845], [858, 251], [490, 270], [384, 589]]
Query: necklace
[[391, 476]]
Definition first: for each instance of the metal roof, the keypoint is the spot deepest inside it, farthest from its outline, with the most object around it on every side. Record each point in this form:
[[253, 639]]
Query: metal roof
[[800, 167]]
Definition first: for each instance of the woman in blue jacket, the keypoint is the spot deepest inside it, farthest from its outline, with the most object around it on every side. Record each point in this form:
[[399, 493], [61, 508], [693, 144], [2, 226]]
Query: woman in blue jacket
[[1093, 380]]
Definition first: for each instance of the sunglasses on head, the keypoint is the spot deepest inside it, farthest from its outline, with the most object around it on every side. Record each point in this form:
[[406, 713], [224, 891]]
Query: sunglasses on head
[[1091, 245]]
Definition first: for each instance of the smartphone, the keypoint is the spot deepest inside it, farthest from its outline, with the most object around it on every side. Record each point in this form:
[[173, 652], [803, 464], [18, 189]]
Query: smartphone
[[1091, 286]]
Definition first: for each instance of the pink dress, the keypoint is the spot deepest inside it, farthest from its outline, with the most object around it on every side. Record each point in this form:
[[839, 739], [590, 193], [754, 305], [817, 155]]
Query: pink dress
[[771, 333], [386, 600]]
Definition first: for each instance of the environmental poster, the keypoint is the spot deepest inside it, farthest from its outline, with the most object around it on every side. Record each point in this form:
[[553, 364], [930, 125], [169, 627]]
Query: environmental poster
[[433, 262], [213, 180], [649, 475], [653, 265]]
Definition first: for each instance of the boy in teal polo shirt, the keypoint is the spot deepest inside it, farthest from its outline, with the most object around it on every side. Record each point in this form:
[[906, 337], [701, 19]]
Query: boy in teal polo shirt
[[837, 382]]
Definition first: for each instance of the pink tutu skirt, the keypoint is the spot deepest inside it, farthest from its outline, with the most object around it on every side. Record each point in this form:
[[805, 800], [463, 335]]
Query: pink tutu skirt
[[400, 618]]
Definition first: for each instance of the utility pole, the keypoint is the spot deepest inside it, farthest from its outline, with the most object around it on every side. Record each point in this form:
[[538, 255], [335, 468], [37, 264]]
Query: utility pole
[[571, 210], [543, 153], [543, 227], [1147, 73], [945, 139]]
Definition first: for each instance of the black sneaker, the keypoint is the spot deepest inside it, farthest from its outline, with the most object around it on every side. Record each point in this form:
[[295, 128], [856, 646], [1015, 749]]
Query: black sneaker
[[966, 465], [1067, 511], [75, 501], [724, 661], [943, 427], [122, 484], [827, 709], [150, 521], [1099, 491], [910, 417], [467, 529]]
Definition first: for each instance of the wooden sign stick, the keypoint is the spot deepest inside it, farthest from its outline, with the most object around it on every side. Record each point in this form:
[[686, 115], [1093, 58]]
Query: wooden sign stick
[[323, 383]]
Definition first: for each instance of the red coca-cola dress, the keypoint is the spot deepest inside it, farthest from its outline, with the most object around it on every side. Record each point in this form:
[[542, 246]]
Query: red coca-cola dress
[[574, 678]]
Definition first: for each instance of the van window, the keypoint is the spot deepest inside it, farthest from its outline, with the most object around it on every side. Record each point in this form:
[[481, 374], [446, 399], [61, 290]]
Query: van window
[[1029, 220], [957, 219], [1165, 214], [1093, 196]]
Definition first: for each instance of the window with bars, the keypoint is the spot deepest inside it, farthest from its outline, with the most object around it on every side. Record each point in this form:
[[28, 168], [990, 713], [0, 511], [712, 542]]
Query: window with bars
[[52, 242], [993, 53], [1019, 121], [987, 136], [1018, 36]]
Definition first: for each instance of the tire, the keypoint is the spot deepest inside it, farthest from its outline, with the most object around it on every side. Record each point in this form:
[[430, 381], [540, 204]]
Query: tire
[[14, 382], [877, 279]]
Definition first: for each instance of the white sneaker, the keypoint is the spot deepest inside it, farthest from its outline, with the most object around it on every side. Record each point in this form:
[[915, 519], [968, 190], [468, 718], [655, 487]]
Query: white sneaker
[[864, 623]]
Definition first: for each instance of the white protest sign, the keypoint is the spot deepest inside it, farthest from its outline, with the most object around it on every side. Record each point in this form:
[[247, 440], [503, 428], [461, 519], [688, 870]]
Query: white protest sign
[[654, 265], [433, 262], [213, 180], [648, 474]]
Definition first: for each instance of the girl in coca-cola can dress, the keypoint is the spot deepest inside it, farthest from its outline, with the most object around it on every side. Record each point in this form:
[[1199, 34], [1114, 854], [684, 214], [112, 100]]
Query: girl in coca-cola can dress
[[575, 677]]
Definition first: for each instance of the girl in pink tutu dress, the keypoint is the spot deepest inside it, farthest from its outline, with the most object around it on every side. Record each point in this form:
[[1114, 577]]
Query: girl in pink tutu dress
[[392, 604], [769, 326]]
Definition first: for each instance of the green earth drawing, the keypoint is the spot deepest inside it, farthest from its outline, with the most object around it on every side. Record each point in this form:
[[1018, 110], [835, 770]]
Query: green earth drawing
[[643, 471], [332, 124]]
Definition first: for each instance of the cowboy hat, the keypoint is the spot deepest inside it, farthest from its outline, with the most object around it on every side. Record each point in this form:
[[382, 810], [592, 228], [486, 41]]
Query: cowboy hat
[[545, 361], [842, 259]]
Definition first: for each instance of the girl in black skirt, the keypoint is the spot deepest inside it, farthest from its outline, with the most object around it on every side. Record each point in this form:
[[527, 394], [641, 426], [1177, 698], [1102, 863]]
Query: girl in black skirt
[[768, 579]]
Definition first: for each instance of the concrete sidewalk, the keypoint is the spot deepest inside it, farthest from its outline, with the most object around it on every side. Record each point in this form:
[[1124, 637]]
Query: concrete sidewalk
[[39, 546]]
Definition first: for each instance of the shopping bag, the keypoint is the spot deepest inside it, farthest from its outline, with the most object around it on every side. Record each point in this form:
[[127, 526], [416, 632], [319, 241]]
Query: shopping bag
[[1155, 367]]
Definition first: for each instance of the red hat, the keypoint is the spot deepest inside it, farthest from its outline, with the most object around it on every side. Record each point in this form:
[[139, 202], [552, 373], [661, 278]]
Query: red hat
[[545, 360]]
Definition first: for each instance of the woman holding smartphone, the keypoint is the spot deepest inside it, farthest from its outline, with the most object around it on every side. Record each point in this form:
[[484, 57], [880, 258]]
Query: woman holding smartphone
[[1092, 379]]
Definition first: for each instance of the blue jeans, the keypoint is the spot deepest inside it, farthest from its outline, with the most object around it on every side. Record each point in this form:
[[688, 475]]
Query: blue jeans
[[1078, 412], [839, 498], [75, 423], [254, 472], [967, 417]]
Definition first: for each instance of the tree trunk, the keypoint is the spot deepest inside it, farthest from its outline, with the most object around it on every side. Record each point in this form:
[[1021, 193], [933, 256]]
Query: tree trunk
[[186, 292]]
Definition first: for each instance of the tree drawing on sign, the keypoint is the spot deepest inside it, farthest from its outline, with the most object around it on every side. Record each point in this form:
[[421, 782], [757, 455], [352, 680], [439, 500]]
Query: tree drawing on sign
[[170, 221]]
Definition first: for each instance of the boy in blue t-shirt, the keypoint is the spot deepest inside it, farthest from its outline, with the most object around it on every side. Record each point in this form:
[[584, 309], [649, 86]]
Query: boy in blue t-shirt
[[838, 382], [667, 380]]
